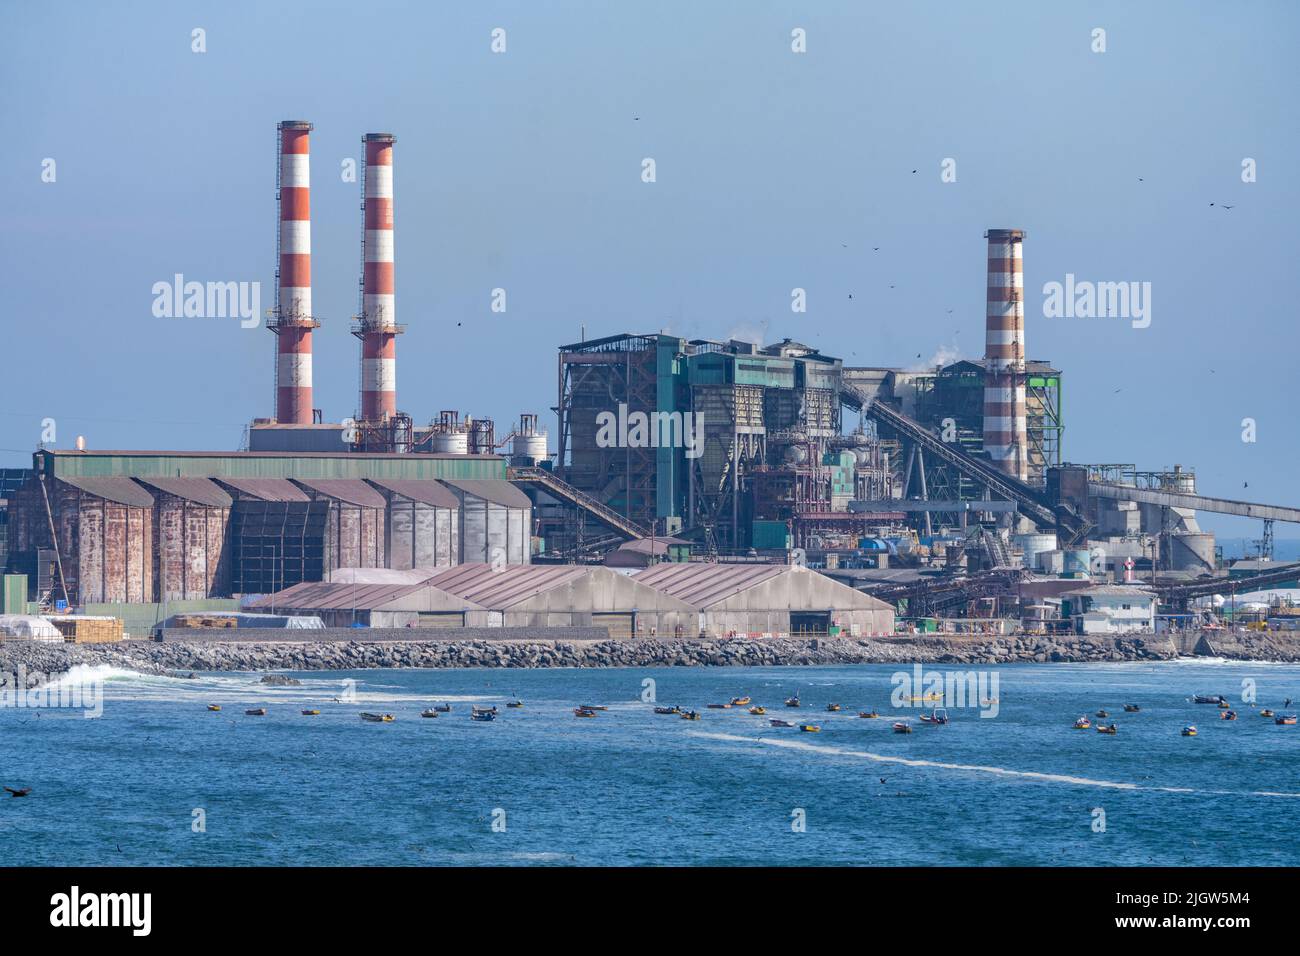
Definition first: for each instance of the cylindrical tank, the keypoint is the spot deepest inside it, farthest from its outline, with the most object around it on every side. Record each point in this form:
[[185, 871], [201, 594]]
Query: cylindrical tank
[[451, 443], [1033, 545], [529, 446], [1076, 561], [1190, 551]]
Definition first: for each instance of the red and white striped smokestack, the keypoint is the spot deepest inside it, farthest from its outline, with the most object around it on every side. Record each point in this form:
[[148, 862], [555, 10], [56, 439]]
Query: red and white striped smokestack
[[378, 327], [293, 322], [1005, 437]]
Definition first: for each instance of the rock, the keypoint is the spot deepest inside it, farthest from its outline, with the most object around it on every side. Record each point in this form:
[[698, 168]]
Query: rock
[[280, 680]]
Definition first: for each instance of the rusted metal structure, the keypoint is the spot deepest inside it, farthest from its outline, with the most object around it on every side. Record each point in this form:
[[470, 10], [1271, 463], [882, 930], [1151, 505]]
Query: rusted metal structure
[[422, 523], [354, 535], [191, 560]]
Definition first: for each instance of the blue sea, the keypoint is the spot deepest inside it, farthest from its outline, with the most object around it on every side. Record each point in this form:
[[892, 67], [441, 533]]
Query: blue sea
[[158, 779]]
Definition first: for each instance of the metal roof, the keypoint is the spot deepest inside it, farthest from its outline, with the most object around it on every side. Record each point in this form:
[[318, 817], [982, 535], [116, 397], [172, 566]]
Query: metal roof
[[122, 490], [705, 584], [419, 489], [202, 491], [352, 490], [495, 490], [497, 588], [1110, 590], [333, 596], [268, 464], [266, 489]]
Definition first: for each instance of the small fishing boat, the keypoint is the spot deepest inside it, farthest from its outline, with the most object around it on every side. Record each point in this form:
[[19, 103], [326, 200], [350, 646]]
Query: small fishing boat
[[476, 709], [1223, 704], [740, 701], [583, 712], [690, 715], [902, 727], [719, 706], [515, 704], [1285, 720], [668, 710], [1266, 713], [872, 715], [1112, 729], [1083, 723], [758, 711], [1131, 708], [429, 712], [483, 715], [810, 728], [1207, 698], [1102, 713], [933, 697], [593, 707], [937, 715], [256, 712], [1189, 730], [377, 718], [214, 707], [792, 701], [832, 708], [442, 708], [311, 712], [778, 722], [1228, 715]]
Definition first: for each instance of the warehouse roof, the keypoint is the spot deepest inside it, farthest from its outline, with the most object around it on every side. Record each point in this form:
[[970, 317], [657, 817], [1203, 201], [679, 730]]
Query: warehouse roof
[[496, 490], [203, 491], [424, 490], [704, 584], [1110, 590], [502, 587], [122, 490], [267, 489], [330, 596], [352, 490]]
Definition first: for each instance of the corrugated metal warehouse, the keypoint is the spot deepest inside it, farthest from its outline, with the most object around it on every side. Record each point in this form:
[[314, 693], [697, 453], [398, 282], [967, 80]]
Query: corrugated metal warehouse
[[766, 599], [568, 596], [422, 528], [495, 521], [342, 604], [355, 525], [189, 545]]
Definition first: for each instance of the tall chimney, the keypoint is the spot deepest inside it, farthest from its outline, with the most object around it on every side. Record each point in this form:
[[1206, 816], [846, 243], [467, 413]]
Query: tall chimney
[[378, 328], [1005, 438], [292, 321]]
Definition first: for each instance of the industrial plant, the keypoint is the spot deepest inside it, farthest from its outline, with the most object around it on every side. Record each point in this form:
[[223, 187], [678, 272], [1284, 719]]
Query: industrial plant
[[686, 487]]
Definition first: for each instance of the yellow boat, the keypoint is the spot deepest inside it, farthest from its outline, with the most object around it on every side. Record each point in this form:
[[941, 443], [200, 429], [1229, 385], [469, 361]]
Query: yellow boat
[[1266, 713], [690, 715], [1189, 731], [1112, 729], [927, 698], [214, 707], [311, 713], [740, 701], [810, 728], [832, 708], [868, 716], [758, 711], [1083, 723], [378, 718]]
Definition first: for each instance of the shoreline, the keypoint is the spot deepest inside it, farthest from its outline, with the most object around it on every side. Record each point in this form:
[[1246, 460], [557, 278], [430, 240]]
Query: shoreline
[[181, 657]]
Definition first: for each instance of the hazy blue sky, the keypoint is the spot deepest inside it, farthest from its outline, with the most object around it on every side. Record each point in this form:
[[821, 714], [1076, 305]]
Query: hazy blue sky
[[522, 171]]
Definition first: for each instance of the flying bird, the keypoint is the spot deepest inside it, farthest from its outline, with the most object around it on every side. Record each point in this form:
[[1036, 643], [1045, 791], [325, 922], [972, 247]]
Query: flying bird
[[19, 793]]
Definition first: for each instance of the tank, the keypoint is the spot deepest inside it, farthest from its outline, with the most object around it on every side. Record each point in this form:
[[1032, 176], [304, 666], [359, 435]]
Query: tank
[[451, 443], [1033, 545], [529, 446], [1191, 551]]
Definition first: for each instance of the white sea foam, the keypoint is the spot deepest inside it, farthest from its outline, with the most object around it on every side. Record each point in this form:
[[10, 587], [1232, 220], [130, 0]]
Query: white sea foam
[[978, 768]]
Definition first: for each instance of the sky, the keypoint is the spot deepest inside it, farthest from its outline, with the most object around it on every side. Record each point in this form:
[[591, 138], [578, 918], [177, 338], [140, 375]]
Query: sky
[[522, 170]]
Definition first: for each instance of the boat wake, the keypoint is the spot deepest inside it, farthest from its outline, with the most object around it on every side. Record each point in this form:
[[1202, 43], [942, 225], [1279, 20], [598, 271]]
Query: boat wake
[[978, 768]]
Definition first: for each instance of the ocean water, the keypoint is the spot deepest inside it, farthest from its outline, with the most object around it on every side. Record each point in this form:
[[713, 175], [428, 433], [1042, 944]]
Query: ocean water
[[632, 787]]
